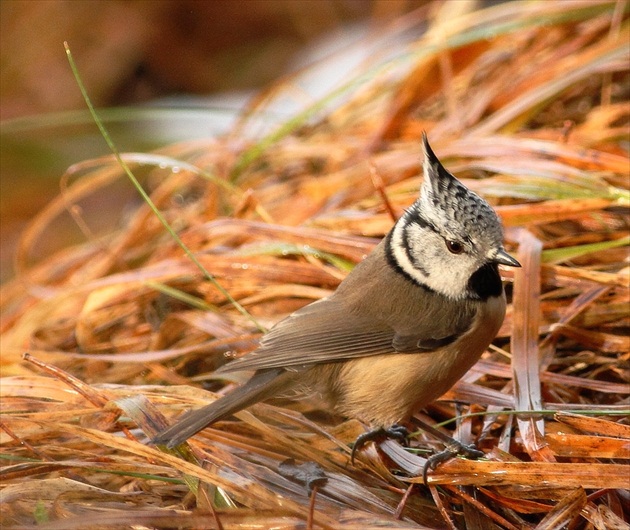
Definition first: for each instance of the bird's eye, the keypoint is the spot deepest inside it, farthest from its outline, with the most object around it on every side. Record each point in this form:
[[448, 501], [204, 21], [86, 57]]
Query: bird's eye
[[454, 247]]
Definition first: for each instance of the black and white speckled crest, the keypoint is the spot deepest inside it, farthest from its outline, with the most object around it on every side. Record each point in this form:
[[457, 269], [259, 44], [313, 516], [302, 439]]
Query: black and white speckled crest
[[447, 203], [450, 240]]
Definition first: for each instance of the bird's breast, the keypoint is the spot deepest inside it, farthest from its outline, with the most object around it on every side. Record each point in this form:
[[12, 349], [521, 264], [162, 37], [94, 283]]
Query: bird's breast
[[386, 389]]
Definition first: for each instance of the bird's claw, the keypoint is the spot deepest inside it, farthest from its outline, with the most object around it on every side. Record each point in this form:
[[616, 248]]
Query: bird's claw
[[454, 448], [395, 432]]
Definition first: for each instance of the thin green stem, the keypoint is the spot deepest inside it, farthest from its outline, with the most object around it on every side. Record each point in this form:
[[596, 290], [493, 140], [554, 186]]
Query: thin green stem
[[207, 275]]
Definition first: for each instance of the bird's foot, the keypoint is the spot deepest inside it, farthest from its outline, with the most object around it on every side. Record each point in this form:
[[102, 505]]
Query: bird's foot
[[452, 449], [395, 432]]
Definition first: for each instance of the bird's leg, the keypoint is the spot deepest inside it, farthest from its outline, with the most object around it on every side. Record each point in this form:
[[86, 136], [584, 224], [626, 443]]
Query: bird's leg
[[452, 448], [395, 432], [398, 432]]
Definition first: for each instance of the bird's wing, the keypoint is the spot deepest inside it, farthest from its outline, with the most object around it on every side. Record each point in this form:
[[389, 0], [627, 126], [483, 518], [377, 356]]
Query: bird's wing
[[327, 331]]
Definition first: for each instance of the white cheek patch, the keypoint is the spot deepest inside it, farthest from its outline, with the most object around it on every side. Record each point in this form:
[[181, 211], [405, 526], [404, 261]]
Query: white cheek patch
[[421, 255]]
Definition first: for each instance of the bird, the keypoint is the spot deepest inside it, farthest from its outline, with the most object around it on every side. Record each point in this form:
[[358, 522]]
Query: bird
[[403, 326]]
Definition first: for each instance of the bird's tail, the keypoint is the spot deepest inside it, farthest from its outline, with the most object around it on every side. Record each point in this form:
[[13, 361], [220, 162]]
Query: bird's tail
[[261, 386]]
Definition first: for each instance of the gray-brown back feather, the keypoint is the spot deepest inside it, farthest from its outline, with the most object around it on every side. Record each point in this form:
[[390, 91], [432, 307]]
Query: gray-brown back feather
[[374, 311]]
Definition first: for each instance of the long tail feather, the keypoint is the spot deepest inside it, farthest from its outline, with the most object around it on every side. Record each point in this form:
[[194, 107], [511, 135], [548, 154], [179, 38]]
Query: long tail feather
[[259, 387]]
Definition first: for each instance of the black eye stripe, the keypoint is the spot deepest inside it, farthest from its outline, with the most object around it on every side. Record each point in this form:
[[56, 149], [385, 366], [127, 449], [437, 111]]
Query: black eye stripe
[[422, 222]]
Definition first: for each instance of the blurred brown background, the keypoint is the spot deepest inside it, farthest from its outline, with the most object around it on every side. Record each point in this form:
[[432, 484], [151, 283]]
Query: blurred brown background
[[130, 52]]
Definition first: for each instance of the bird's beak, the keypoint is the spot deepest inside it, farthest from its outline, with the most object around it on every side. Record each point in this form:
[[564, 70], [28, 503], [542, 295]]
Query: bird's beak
[[503, 258]]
